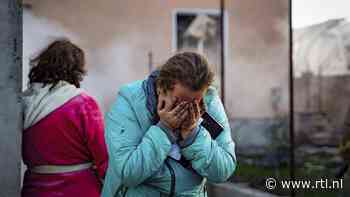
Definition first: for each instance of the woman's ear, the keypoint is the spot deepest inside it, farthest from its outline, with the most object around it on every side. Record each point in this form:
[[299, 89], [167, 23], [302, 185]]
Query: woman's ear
[[159, 91]]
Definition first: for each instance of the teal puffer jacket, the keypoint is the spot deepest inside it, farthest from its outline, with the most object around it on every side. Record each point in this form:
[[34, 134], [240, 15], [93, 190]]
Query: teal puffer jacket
[[138, 151]]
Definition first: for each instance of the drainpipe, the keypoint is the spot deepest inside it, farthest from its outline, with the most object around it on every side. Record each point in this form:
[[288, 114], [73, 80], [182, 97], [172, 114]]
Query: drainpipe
[[222, 83]]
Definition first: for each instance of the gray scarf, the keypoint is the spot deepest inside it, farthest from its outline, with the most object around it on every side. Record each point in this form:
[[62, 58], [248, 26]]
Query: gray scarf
[[149, 86]]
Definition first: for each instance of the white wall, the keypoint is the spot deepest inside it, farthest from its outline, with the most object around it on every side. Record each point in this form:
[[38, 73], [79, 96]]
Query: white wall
[[118, 35]]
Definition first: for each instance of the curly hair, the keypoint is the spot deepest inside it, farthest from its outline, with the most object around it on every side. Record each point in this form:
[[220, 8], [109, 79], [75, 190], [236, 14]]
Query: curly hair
[[61, 61], [189, 69]]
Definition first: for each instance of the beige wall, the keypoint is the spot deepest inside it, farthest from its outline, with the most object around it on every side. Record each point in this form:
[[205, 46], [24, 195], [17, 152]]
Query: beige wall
[[117, 36]]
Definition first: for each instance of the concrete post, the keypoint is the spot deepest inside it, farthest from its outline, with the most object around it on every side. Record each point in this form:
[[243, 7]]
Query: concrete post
[[10, 88]]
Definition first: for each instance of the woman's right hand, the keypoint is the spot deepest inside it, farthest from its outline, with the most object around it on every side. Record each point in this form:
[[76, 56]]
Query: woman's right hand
[[171, 113]]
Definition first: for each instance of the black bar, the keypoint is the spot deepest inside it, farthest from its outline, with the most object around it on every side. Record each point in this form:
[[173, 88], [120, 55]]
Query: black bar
[[222, 84], [291, 102]]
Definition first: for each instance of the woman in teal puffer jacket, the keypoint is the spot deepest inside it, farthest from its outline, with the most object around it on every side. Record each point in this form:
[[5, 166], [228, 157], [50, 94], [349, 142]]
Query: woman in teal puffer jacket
[[156, 142]]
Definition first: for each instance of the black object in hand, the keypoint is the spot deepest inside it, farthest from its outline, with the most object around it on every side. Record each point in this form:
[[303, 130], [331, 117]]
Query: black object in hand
[[212, 126]]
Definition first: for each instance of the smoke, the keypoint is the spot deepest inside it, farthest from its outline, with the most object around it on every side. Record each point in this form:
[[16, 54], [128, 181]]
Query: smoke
[[108, 56], [38, 33], [258, 62], [118, 35], [108, 68]]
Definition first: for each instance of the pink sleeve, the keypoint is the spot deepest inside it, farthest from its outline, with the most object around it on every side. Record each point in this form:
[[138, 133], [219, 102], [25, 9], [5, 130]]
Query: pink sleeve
[[93, 125]]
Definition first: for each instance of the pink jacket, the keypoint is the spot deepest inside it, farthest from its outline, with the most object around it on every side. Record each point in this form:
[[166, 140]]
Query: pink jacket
[[71, 134]]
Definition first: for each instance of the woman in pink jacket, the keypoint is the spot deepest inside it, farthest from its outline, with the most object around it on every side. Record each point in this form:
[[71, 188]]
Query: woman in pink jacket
[[63, 139]]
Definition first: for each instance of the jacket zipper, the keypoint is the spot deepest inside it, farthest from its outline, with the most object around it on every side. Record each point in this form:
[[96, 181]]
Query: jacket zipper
[[173, 179]]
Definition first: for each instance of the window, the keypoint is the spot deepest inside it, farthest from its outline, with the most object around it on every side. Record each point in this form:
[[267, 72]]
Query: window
[[199, 30]]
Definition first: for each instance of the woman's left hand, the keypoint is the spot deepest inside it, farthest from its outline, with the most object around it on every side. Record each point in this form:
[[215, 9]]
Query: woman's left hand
[[190, 122]]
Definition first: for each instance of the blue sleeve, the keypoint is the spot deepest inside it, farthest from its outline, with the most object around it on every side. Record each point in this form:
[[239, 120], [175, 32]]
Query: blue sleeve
[[134, 154], [213, 159]]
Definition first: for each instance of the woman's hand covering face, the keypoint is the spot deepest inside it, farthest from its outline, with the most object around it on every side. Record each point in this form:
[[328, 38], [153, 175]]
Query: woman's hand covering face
[[190, 122], [171, 112]]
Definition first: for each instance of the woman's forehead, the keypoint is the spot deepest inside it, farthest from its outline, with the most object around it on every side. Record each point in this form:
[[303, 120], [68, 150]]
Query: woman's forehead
[[184, 93], [189, 98]]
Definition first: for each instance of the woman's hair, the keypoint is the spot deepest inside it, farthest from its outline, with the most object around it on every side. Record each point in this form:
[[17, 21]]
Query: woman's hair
[[189, 69], [61, 61]]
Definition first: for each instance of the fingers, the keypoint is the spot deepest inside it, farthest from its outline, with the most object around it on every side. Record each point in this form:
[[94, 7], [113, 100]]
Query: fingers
[[192, 111], [169, 103], [178, 108], [184, 114], [197, 110], [181, 117], [202, 107], [187, 118]]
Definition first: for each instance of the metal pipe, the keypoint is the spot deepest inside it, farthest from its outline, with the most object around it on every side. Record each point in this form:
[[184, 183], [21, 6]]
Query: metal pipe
[[150, 62], [222, 40], [291, 102]]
